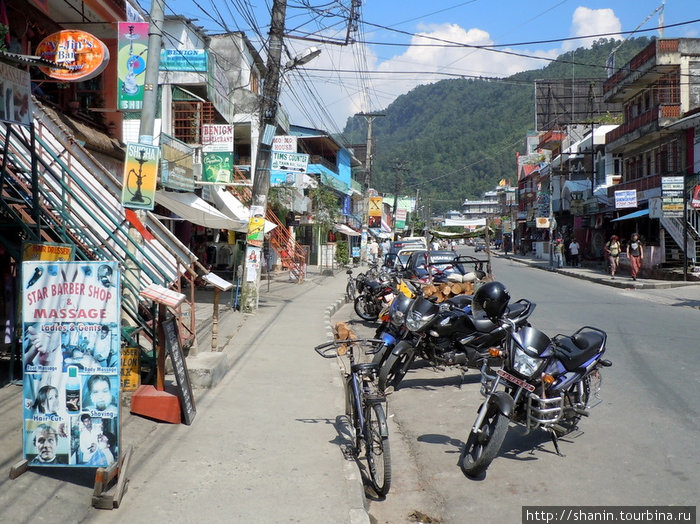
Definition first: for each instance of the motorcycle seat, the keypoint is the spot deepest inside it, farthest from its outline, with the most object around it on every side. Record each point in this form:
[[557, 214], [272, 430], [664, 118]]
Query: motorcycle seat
[[575, 351]]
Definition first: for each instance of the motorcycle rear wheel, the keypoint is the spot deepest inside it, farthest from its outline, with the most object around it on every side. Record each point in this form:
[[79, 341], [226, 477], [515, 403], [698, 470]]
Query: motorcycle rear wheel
[[366, 308], [393, 369], [481, 448]]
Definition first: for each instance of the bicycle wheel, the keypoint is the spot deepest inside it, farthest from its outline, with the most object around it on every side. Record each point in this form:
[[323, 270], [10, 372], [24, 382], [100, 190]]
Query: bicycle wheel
[[351, 412], [350, 290], [377, 447]]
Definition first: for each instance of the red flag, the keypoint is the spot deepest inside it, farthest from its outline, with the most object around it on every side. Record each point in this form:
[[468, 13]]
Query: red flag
[[133, 219]]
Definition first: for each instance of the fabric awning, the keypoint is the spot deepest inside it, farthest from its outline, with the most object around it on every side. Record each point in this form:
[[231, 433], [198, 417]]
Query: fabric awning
[[234, 208], [636, 214], [346, 230], [194, 209]]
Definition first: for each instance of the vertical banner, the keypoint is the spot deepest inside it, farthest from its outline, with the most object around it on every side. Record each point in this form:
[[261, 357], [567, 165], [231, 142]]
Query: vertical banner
[[140, 174], [71, 346], [131, 64], [252, 256], [400, 220]]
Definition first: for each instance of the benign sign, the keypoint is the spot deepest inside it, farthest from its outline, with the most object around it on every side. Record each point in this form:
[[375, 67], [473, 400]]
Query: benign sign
[[78, 55]]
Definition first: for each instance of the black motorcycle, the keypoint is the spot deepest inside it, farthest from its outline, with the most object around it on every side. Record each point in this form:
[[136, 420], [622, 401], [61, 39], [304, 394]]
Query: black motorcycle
[[543, 383], [453, 333]]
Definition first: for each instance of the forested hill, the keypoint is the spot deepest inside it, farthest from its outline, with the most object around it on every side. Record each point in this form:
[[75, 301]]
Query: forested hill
[[457, 138]]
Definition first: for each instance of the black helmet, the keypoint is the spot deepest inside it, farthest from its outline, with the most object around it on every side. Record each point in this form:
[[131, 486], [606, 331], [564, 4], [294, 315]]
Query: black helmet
[[491, 298]]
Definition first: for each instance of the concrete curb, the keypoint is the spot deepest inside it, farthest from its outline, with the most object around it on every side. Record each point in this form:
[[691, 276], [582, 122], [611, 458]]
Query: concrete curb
[[353, 478]]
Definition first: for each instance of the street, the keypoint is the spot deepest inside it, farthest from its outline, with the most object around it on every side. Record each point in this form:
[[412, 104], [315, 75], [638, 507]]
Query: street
[[638, 447]]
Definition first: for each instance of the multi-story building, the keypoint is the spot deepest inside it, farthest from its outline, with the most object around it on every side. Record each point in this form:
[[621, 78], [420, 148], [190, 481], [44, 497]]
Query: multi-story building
[[660, 92]]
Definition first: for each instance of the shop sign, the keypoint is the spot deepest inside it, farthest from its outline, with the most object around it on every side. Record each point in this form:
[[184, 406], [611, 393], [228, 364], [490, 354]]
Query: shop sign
[[47, 251], [191, 60], [131, 64], [626, 199], [217, 137], [71, 362], [140, 174], [176, 165], [78, 55], [15, 88]]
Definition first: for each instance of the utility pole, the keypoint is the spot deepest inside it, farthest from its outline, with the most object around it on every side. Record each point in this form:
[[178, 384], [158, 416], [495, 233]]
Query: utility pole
[[399, 167], [261, 181], [368, 177], [414, 214]]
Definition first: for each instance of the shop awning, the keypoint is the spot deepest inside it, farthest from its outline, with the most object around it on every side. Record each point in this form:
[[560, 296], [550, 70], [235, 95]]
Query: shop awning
[[230, 206], [636, 214], [193, 209], [346, 230]]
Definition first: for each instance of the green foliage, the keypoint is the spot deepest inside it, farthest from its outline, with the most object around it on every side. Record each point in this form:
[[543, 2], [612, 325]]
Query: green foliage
[[326, 207], [341, 252], [460, 137]]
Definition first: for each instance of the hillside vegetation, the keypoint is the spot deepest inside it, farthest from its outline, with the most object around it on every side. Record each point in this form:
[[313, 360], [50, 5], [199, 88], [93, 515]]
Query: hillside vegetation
[[457, 138]]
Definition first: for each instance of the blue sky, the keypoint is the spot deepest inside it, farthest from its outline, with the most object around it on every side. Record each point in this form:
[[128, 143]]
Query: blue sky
[[391, 50]]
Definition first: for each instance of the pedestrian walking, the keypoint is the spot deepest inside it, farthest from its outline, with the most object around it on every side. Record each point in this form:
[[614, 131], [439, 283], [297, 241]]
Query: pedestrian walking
[[573, 251], [612, 252], [635, 254], [559, 253]]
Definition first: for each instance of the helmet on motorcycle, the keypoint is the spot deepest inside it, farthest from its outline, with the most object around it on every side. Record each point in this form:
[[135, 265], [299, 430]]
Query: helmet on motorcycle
[[491, 298]]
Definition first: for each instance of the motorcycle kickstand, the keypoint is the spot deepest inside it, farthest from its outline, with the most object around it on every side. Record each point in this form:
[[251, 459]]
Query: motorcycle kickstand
[[555, 441]]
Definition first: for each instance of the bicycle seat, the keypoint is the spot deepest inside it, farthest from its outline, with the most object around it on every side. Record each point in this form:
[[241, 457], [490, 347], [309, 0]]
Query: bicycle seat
[[367, 366]]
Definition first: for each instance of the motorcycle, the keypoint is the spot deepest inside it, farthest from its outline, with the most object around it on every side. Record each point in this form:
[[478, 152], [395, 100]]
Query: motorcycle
[[546, 383], [448, 334], [374, 296]]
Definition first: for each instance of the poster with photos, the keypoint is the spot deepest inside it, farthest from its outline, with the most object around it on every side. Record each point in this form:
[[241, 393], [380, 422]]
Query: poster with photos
[[71, 358]]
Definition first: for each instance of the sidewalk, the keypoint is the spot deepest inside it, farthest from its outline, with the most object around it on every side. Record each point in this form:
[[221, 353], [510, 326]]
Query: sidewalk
[[595, 273], [265, 445]]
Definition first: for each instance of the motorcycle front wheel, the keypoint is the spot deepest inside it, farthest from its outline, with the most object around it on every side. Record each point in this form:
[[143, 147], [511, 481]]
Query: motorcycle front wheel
[[483, 445], [394, 368], [366, 308]]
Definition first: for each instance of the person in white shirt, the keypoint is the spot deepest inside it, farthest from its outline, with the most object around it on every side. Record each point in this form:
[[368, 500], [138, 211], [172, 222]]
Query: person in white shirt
[[573, 251]]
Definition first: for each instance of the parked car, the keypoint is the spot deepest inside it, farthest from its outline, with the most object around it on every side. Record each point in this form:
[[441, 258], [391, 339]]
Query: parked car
[[404, 246], [423, 263]]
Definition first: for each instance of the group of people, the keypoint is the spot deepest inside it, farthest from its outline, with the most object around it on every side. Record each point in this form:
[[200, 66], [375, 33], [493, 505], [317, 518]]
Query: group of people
[[573, 253], [376, 251], [612, 250], [634, 251]]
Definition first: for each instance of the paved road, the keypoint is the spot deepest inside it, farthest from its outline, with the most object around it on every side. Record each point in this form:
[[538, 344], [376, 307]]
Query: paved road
[[640, 445]]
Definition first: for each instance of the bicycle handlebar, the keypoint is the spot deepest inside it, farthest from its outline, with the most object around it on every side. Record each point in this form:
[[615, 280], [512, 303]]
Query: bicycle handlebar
[[324, 349]]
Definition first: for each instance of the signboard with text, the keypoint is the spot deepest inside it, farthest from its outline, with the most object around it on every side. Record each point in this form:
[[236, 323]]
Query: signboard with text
[[626, 199], [131, 64], [140, 176], [672, 188], [71, 362]]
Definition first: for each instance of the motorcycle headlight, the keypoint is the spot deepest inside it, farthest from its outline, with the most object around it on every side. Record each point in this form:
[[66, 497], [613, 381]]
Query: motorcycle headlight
[[415, 321], [397, 317], [524, 363]]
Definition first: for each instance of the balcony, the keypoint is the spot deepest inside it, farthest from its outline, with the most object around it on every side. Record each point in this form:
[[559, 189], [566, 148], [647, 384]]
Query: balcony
[[642, 71], [643, 125], [640, 184]]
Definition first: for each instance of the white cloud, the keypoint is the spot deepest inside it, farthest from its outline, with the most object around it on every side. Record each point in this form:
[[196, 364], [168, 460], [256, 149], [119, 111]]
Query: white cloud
[[344, 95], [587, 21]]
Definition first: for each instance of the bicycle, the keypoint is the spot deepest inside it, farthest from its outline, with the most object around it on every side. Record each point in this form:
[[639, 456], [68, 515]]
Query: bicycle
[[350, 288], [364, 407]]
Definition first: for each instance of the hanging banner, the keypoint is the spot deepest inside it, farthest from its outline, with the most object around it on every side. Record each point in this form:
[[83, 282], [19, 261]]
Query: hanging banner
[[71, 359], [131, 64], [140, 176], [256, 227], [216, 167]]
